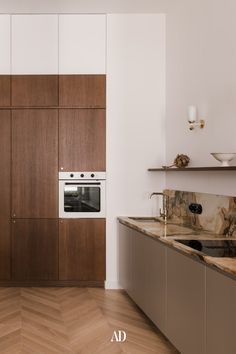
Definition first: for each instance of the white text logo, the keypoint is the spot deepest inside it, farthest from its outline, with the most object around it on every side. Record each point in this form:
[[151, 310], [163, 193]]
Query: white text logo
[[118, 336]]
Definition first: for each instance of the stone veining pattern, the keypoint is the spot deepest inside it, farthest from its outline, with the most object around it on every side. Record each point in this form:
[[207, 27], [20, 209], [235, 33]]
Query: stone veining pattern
[[217, 220], [218, 212]]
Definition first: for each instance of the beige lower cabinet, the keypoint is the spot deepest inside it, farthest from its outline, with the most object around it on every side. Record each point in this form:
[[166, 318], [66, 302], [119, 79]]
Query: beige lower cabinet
[[221, 313], [125, 258], [193, 305], [142, 273], [149, 277], [139, 269], [185, 303]]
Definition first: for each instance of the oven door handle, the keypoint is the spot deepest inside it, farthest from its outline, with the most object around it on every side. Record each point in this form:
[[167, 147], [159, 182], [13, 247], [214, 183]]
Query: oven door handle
[[83, 184]]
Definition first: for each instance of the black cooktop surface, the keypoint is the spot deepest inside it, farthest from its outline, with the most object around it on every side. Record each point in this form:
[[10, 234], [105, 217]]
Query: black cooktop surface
[[213, 248]]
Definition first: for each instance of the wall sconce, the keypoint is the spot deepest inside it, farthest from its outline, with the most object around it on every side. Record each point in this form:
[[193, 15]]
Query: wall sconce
[[193, 118]]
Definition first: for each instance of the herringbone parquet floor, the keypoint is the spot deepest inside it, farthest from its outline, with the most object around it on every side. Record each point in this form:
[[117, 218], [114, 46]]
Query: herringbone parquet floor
[[74, 321]]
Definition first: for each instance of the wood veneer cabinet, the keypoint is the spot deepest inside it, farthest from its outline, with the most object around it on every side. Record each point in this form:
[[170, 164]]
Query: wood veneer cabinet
[[83, 91], [82, 249], [34, 90], [5, 158], [35, 163], [34, 249], [82, 140], [5, 148], [5, 249], [32, 141], [5, 95]]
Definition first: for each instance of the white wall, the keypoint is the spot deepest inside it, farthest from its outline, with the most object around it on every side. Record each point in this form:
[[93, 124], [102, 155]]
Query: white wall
[[201, 57], [135, 120]]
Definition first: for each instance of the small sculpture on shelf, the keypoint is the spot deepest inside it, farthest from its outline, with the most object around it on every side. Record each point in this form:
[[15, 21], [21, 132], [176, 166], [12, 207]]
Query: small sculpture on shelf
[[180, 161]]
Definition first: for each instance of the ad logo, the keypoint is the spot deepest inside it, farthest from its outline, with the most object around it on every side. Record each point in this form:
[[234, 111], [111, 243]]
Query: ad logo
[[119, 336]]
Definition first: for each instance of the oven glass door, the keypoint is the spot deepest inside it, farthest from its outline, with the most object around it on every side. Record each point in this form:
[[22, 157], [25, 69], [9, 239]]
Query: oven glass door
[[82, 197]]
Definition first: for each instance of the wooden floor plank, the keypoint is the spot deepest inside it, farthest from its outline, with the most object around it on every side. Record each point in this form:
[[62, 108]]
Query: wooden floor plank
[[74, 321], [122, 313]]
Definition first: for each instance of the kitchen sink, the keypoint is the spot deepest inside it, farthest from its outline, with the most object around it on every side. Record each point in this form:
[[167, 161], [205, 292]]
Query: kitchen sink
[[213, 248], [145, 219]]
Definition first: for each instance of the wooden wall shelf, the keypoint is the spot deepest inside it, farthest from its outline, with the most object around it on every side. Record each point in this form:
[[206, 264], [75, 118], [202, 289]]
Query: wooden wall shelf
[[186, 169]]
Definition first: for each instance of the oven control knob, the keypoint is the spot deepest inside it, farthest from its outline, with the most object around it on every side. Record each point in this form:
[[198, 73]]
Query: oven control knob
[[71, 175], [82, 175], [92, 175]]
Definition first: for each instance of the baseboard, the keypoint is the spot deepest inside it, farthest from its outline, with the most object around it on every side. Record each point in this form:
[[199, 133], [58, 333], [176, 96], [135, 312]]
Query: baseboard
[[112, 284], [45, 283], [109, 284]]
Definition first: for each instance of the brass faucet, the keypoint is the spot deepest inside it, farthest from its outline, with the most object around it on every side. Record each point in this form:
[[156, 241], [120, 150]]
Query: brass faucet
[[165, 204]]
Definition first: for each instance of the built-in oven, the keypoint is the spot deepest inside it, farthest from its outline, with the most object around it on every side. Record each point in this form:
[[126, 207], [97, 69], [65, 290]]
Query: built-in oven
[[82, 194]]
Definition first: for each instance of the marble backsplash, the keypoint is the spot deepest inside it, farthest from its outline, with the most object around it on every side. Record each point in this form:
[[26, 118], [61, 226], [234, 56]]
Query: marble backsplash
[[218, 212]]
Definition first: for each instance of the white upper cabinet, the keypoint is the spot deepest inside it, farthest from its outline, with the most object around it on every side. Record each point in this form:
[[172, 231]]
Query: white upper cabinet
[[34, 44], [5, 61], [82, 44]]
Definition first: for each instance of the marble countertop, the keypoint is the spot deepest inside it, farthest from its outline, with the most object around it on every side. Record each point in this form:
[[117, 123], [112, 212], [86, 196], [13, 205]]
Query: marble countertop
[[170, 232]]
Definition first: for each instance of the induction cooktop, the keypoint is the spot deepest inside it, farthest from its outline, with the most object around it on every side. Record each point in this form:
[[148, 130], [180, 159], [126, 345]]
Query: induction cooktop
[[213, 248]]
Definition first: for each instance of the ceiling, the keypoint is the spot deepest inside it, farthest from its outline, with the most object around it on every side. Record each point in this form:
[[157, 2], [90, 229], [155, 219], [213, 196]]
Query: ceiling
[[83, 6]]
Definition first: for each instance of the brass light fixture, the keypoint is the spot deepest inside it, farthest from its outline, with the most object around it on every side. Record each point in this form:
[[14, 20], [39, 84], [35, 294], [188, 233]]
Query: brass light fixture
[[193, 118]]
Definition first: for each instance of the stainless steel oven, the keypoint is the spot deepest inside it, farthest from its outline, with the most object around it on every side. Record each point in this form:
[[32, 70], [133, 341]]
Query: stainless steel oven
[[82, 194]]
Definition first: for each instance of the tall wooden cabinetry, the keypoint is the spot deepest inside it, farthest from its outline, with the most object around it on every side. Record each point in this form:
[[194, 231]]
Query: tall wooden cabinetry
[[52, 115], [34, 163], [5, 150], [34, 91], [5, 177], [82, 147], [34, 249], [34, 194], [82, 137], [5, 83], [82, 92], [82, 249], [82, 134], [34, 178]]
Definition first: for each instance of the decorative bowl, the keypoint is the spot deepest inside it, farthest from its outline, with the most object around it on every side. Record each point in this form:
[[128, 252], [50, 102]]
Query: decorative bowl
[[224, 157]]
